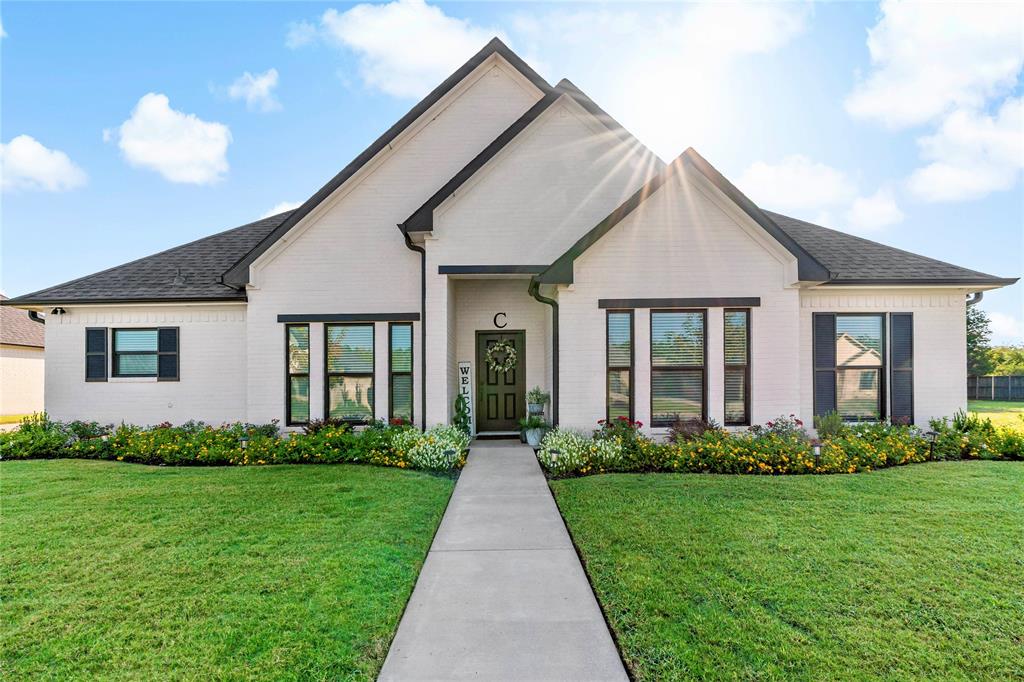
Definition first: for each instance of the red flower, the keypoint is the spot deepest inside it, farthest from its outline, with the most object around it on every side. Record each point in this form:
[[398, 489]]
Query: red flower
[[600, 421]]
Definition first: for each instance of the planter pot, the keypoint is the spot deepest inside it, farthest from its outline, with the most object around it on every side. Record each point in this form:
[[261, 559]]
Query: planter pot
[[535, 408], [533, 437]]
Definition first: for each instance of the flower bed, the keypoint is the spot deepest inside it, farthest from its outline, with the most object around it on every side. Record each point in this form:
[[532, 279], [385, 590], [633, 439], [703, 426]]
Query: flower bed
[[198, 444], [781, 446]]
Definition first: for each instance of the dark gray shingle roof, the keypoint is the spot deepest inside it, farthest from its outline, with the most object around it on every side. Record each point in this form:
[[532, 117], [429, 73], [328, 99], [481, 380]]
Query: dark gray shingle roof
[[17, 329], [855, 260], [191, 272]]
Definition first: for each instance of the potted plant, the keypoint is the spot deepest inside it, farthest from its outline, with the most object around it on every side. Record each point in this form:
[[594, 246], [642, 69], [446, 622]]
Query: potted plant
[[536, 399], [534, 427]]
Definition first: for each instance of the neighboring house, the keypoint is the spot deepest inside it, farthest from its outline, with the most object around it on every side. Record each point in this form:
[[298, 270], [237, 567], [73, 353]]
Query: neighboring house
[[525, 215], [21, 363]]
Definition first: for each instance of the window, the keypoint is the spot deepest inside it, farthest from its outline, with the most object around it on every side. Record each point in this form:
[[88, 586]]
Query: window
[[677, 366], [349, 383], [619, 388], [400, 369], [146, 353], [96, 354], [860, 363], [297, 337], [737, 367]]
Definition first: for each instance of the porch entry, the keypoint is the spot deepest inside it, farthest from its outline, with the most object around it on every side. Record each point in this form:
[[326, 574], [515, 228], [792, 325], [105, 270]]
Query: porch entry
[[501, 396]]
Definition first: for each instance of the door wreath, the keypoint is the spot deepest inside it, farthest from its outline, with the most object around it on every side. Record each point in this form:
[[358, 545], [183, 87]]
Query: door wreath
[[501, 357]]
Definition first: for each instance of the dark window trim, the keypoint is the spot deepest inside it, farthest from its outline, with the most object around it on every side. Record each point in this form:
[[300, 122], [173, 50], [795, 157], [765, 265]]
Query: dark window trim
[[105, 353], [350, 317], [746, 368], [115, 355], [490, 269], [882, 370], [679, 368], [893, 370], [673, 303], [288, 375], [372, 374], [608, 368], [392, 373]]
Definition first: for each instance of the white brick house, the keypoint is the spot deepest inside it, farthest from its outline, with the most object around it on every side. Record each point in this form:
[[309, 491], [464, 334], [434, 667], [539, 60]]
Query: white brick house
[[502, 209]]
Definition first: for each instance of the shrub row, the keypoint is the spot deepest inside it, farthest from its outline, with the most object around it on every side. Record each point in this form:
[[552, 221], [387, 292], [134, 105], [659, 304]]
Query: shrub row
[[781, 446], [196, 443]]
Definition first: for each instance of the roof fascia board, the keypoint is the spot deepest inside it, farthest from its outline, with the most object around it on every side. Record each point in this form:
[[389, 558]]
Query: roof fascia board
[[121, 303], [987, 285], [238, 274]]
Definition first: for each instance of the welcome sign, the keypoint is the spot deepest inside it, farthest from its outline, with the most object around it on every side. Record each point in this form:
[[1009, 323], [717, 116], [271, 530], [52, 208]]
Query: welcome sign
[[466, 389]]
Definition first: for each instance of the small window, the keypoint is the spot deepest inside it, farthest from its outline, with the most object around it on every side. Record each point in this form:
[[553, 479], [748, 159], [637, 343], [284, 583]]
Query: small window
[[677, 366], [737, 367], [96, 354], [146, 353], [400, 359], [860, 363], [619, 387], [349, 383], [298, 374]]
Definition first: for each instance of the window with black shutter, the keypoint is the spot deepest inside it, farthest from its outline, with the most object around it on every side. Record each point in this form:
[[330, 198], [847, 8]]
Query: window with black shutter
[[849, 365], [737, 367], [677, 366], [146, 353], [901, 390], [96, 354]]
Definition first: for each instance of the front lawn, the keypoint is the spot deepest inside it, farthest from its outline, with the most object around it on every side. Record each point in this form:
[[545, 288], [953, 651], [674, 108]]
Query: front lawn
[[126, 571], [1001, 412], [914, 571]]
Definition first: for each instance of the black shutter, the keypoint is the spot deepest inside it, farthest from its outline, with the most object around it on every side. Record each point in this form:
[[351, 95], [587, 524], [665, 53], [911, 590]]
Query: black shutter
[[96, 354], [824, 363], [167, 354], [902, 390]]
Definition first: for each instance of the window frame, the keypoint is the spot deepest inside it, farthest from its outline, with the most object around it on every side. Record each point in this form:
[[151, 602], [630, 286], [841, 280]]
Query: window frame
[[392, 373], [289, 375], [881, 369], [679, 368], [115, 355], [328, 373], [746, 369], [608, 368]]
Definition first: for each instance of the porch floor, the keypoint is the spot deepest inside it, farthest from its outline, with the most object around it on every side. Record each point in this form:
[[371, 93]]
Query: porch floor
[[502, 594]]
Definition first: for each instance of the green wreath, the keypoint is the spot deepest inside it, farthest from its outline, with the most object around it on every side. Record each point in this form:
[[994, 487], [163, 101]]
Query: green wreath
[[507, 363]]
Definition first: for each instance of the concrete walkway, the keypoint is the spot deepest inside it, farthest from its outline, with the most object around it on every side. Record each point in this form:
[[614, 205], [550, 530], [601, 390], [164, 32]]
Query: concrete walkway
[[502, 595]]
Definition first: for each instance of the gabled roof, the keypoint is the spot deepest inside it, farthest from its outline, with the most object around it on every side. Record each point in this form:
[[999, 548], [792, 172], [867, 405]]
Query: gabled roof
[[17, 329], [190, 272], [823, 255], [422, 220], [238, 274]]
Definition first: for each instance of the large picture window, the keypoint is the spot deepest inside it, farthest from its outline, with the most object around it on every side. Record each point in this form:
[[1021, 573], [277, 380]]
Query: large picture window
[[400, 370], [349, 385], [677, 366], [620, 364], [146, 353], [737, 367], [298, 373]]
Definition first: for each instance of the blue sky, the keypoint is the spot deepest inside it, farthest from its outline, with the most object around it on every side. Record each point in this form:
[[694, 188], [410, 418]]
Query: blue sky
[[129, 128]]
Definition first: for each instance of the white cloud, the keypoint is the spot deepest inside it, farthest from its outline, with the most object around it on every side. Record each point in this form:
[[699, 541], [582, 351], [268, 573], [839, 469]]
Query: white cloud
[[972, 155], [179, 146], [1006, 329], [300, 34], [281, 208], [868, 214], [3, 33], [257, 91], [930, 58], [405, 47], [27, 164], [796, 183]]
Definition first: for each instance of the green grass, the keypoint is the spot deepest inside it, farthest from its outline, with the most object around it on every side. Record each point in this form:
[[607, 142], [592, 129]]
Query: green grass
[[1001, 412], [132, 572], [910, 572]]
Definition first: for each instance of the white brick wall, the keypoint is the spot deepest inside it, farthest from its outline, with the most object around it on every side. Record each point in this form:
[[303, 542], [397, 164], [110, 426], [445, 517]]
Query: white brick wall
[[211, 348], [22, 372]]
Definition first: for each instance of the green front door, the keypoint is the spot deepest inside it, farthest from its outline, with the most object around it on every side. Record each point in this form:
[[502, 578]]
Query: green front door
[[501, 396]]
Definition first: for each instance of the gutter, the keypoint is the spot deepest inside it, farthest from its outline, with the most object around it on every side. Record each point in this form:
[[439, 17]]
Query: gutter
[[975, 298], [535, 292], [34, 316], [423, 323]]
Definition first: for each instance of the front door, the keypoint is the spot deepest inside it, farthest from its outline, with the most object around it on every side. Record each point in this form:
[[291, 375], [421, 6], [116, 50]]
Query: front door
[[501, 395]]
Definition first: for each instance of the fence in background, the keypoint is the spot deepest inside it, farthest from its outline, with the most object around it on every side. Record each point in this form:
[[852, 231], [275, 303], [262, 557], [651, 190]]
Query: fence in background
[[996, 388]]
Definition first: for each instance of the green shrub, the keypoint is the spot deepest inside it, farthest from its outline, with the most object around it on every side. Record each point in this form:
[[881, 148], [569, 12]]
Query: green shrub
[[461, 420], [829, 425]]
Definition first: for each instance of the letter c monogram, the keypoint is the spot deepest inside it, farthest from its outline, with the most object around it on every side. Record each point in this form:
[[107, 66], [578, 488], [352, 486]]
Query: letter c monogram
[[503, 323]]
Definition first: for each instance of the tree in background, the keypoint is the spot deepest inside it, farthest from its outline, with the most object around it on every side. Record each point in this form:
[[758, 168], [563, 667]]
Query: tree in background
[[1007, 360], [978, 334]]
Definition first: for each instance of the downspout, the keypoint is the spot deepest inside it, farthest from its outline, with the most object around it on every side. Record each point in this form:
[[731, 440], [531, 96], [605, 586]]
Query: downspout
[[34, 316], [535, 292], [423, 324], [975, 298]]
